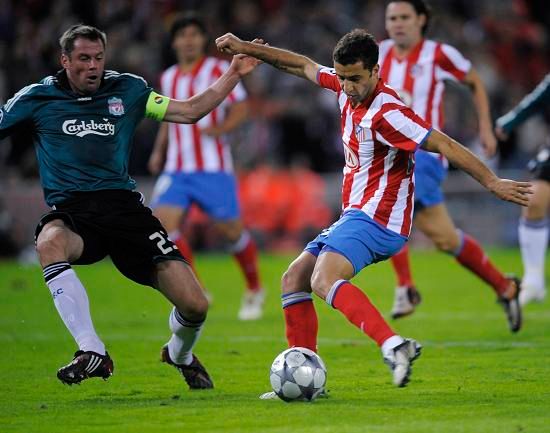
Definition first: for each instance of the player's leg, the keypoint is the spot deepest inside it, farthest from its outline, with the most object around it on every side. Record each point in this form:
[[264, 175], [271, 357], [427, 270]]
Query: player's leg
[[216, 194], [142, 251], [300, 316], [244, 250], [177, 282], [533, 241], [436, 223], [429, 175], [58, 246], [170, 203], [352, 243]]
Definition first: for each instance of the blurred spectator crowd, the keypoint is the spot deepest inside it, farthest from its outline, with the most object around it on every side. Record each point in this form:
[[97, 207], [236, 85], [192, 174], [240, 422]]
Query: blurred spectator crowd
[[293, 124]]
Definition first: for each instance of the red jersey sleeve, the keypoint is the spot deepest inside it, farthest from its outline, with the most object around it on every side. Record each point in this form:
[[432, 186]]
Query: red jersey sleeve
[[326, 77], [451, 64], [398, 126]]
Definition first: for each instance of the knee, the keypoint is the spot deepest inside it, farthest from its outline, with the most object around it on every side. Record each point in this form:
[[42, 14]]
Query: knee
[[289, 282], [195, 309], [447, 243], [321, 284], [51, 243], [534, 211]]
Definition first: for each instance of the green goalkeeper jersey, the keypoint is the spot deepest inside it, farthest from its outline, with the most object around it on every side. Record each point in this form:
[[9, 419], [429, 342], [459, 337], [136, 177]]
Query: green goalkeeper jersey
[[82, 143]]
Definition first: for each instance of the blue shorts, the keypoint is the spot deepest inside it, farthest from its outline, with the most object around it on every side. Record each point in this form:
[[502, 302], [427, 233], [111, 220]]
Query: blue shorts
[[214, 193], [359, 239], [429, 173]]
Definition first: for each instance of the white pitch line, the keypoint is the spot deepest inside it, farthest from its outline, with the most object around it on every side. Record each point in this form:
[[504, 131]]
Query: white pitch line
[[323, 341]]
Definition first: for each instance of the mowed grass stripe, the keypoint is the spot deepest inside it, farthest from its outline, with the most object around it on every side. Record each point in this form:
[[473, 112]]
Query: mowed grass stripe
[[474, 376]]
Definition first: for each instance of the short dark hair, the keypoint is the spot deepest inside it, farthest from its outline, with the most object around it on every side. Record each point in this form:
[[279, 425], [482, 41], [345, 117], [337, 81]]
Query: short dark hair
[[420, 7], [357, 45], [188, 19], [66, 41]]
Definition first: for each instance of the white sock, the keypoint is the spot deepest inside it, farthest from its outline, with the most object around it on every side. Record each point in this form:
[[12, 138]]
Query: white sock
[[241, 243], [71, 300], [185, 335], [533, 240]]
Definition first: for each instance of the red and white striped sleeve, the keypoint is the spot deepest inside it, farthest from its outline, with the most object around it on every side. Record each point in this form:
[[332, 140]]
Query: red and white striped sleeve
[[396, 125], [451, 64], [326, 77]]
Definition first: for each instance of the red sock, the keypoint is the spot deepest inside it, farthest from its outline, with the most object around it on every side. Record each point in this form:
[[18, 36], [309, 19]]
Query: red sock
[[472, 257], [402, 267], [356, 306], [247, 258], [301, 325], [186, 251]]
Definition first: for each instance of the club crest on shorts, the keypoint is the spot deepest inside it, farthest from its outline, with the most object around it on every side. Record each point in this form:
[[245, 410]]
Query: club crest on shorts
[[116, 108]]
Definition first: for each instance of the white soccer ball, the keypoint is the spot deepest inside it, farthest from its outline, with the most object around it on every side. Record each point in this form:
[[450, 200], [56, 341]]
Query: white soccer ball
[[298, 374]]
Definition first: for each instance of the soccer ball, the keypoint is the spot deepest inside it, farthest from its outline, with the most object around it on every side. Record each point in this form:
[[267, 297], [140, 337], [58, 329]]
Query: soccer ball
[[298, 374]]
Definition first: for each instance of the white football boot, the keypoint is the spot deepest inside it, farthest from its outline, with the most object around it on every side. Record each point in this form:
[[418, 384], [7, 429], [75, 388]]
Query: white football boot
[[531, 292], [405, 301], [400, 359], [252, 305]]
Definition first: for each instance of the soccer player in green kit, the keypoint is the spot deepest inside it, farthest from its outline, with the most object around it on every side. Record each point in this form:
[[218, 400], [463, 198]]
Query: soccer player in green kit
[[83, 120]]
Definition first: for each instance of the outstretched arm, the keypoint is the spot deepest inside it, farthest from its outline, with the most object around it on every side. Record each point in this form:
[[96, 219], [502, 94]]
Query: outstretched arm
[[481, 102], [284, 60], [196, 107], [535, 101], [462, 158]]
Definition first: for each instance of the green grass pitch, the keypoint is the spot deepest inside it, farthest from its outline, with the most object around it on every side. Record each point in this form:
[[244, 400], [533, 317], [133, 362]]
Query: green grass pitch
[[473, 376]]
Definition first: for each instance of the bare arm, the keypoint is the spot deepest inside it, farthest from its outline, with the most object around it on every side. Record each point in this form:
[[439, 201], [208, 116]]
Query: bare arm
[[481, 102], [196, 107], [158, 155], [462, 158], [284, 60], [237, 114]]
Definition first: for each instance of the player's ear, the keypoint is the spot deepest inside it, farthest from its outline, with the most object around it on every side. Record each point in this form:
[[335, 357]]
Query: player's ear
[[422, 18], [375, 70], [64, 60]]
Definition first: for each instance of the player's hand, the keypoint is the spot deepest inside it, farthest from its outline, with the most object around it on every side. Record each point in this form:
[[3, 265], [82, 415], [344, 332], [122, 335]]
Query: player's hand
[[501, 135], [488, 142], [155, 163], [229, 44], [510, 190]]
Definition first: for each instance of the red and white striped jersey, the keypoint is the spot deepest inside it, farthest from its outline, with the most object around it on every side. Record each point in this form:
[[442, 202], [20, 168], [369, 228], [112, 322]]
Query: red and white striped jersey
[[380, 137], [419, 78], [188, 149]]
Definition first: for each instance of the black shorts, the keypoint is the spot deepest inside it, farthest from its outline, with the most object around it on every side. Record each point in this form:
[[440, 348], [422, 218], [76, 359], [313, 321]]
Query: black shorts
[[540, 165], [115, 223]]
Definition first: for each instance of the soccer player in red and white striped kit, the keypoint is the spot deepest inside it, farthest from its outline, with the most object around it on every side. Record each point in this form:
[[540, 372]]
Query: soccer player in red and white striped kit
[[380, 135], [417, 68], [196, 162]]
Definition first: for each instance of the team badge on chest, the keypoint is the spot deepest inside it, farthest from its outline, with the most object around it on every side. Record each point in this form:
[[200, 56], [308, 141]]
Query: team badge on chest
[[116, 108]]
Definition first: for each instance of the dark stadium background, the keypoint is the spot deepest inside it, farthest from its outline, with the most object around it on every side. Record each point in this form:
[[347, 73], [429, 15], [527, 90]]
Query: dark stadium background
[[293, 125]]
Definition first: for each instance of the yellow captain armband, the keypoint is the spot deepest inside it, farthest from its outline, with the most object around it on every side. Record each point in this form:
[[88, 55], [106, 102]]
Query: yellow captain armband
[[156, 106]]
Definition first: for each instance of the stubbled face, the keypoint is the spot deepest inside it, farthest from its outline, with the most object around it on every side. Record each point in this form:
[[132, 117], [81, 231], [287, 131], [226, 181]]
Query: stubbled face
[[356, 81], [403, 24], [85, 65], [189, 44]]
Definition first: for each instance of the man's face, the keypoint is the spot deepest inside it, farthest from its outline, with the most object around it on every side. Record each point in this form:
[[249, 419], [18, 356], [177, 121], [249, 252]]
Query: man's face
[[356, 81], [403, 24], [189, 43], [85, 65]]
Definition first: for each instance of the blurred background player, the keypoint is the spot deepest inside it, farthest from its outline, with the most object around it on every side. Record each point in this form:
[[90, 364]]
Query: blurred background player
[[533, 225], [380, 135], [418, 68], [196, 162]]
